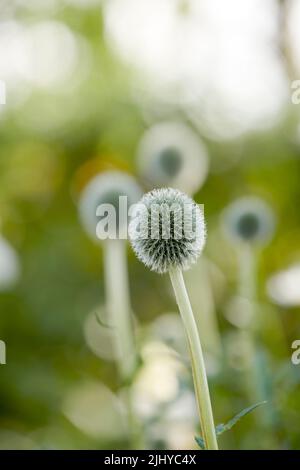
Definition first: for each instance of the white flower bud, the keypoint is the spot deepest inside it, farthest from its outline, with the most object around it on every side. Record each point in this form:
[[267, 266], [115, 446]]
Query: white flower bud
[[249, 219], [106, 188], [171, 154]]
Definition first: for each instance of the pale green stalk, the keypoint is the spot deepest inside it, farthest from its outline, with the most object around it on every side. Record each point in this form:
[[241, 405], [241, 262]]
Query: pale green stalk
[[198, 366], [247, 272], [118, 305], [256, 377], [119, 309], [247, 290], [206, 320]]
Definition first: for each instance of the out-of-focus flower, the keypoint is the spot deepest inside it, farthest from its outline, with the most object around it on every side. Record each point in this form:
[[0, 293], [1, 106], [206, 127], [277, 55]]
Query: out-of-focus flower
[[176, 426], [284, 287], [45, 55], [171, 154], [106, 188], [51, 54], [173, 435], [96, 411], [167, 328], [249, 220], [189, 59], [163, 210], [9, 265], [239, 312], [157, 382], [99, 334]]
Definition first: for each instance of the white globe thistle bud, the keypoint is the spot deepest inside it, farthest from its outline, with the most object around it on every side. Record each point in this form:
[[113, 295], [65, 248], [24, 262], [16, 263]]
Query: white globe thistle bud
[[106, 188], [249, 219], [168, 230], [171, 154]]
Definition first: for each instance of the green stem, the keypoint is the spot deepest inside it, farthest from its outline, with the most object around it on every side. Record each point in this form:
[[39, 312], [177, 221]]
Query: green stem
[[247, 273], [257, 381], [206, 320], [118, 305], [198, 366], [119, 309]]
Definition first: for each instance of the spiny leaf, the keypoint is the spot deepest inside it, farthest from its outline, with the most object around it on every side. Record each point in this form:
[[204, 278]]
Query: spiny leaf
[[200, 442], [226, 427]]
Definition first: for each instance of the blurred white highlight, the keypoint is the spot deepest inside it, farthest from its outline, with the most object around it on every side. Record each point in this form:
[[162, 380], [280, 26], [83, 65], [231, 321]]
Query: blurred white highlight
[[96, 411], [157, 382], [214, 59], [284, 287], [47, 55], [9, 265]]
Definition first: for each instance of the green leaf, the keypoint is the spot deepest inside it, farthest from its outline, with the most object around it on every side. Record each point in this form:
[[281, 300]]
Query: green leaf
[[200, 442], [226, 427]]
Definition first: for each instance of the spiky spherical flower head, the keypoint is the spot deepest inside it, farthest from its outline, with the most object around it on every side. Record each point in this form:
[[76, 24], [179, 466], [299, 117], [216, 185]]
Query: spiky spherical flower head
[[167, 230], [250, 220], [171, 154], [106, 188]]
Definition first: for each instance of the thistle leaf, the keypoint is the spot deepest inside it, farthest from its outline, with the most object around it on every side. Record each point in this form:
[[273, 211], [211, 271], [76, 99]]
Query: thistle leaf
[[226, 427], [221, 428], [200, 442]]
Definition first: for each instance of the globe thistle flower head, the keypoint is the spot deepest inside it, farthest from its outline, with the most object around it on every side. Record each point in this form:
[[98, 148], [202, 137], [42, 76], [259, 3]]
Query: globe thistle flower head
[[106, 188], [171, 154], [168, 230], [249, 220]]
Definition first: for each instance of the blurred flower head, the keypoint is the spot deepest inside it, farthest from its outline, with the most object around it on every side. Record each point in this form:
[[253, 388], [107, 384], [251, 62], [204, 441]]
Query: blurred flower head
[[284, 287], [106, 188], [172, 230], [249, 220], [239, 312], [157, 381], [171, 154], [99, 334], [167, 328], [96, 411]]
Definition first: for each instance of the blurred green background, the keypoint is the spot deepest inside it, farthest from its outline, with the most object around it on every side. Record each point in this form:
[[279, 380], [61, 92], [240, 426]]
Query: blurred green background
[[84, 80]]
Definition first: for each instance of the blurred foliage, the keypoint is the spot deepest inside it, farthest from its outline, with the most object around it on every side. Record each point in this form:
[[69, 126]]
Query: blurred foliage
[[49, 146]]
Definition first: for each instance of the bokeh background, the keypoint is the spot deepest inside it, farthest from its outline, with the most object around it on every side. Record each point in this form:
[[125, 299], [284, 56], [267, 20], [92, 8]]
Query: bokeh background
[[85, 79]]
